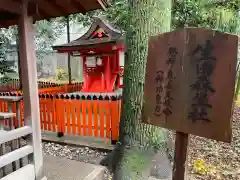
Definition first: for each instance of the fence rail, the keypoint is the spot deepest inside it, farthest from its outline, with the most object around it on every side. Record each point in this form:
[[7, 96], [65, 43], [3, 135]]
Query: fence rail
[[96, 116], [44, 86], [14, 84]]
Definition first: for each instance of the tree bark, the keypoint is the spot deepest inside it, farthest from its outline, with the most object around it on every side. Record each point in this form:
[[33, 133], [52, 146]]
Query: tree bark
[[146, 18]]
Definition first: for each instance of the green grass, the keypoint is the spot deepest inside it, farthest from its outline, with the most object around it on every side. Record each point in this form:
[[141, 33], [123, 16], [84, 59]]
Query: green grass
[[137, 163]]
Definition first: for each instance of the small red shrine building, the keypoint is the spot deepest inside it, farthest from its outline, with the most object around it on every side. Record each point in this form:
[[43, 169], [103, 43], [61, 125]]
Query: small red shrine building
[[102, 51]]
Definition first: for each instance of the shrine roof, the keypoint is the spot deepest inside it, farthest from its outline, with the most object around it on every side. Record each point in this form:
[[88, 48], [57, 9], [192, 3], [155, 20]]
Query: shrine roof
[[101, 32], [10, 10]]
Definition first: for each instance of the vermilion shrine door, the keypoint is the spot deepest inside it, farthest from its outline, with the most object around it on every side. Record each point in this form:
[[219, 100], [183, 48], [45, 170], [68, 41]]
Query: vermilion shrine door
[[100, 73]]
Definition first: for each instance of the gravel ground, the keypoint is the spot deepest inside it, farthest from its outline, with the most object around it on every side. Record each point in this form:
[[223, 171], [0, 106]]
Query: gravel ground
[[212, 160], [83, 154]]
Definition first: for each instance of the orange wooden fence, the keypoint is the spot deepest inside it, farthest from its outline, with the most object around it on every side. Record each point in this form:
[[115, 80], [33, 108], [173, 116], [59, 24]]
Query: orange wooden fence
[[77, 115]]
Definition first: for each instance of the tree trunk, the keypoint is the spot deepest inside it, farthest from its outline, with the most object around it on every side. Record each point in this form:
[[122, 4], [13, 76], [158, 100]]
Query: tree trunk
[[146, 18]]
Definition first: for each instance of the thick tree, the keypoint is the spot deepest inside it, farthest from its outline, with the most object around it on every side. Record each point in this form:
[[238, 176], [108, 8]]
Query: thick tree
[[145, 18]]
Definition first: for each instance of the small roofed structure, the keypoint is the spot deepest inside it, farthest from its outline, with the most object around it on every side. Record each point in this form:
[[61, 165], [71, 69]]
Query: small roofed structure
[[101, 49]]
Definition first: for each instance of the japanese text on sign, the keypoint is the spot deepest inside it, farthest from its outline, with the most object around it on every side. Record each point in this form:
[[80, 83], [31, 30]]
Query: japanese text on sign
[[172, 53], [203, 86], [159, 89], [164, 82]]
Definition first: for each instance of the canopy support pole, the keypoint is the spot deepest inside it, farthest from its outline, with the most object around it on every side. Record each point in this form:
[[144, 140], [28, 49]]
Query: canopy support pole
[[69, 57]]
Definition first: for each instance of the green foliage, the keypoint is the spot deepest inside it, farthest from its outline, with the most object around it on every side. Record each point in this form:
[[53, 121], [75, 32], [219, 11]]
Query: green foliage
[[6, 80], [85, 20], [61, 74], [46, 34], [118, 13], [187, 13], [203, 13], [233, 4], [216, 14], [6, 66], [158, 139]]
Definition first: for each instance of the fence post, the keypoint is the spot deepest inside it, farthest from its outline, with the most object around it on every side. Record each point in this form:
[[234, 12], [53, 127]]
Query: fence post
[[53, 107], [59, 112], [114, 119]]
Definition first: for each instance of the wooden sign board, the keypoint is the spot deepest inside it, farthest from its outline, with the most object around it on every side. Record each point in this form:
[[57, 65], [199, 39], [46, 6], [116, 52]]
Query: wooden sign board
[[190, 82]]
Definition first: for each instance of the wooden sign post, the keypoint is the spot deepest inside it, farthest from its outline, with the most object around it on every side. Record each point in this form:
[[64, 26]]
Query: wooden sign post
[[189, 86]]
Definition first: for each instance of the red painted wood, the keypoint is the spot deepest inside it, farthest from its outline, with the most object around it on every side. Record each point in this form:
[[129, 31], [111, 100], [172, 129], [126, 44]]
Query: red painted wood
[[101, 78], [118, 66], [103, 49], [108, 76]]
